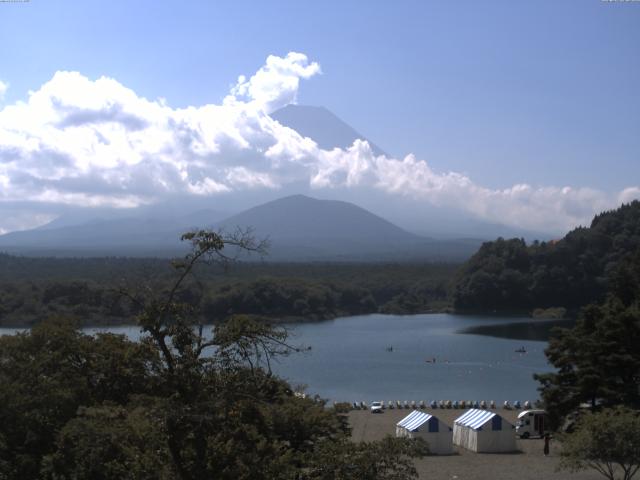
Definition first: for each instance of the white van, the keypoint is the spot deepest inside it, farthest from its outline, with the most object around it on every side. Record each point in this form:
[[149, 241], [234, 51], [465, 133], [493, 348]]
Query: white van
[[532, 423]]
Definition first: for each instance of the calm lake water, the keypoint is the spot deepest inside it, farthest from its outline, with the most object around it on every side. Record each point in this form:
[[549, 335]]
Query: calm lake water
[[349, 358]]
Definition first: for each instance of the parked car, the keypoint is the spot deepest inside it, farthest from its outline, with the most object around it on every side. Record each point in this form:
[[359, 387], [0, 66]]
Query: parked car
[[376, 407]]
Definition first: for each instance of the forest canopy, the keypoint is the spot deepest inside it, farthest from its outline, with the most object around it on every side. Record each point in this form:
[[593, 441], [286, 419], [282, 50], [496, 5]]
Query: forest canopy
[[511, 276], [87, 289]]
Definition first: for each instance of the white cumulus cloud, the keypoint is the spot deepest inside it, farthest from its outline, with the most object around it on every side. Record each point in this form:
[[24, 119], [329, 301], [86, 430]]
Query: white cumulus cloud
[[275, 85], [96, 143], [544, 209]]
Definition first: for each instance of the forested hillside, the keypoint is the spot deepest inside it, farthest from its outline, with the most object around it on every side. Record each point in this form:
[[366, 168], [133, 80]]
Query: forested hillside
[[597, 362], [509, 275], [90, 289]]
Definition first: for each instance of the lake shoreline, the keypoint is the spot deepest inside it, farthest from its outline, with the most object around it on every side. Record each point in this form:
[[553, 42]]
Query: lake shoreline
[[393, 357], [502, 318], [535, 315]]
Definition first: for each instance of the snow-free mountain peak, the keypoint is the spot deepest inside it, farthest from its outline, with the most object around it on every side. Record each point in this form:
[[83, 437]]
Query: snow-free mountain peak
[[300, 228], [300, 216]]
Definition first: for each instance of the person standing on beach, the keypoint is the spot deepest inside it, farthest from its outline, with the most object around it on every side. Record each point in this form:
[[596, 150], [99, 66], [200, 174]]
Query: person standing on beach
[[546, 444]]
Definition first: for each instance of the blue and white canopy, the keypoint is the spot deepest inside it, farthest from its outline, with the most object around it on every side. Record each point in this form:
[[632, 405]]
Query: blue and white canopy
[[414, 420], [475, 418]]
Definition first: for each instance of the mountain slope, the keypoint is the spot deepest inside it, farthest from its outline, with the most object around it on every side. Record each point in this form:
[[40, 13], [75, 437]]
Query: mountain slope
[[322, 126], [147, 236], [300, 228], [304, 228], [299, 216]]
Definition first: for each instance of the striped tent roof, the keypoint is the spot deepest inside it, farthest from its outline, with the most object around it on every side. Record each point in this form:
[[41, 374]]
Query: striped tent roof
[[475, 418], [413, 421]]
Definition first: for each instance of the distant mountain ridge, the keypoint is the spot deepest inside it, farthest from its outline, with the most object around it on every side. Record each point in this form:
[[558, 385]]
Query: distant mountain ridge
[[300, 228], [127, 236]]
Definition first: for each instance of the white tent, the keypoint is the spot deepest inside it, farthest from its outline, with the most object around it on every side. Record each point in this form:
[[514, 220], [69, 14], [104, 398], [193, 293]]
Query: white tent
[[484, 431], [436, 433]]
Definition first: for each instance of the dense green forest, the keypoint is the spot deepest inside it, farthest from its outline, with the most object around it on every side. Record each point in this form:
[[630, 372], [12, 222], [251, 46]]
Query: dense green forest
[[511, 276], [90, 289]]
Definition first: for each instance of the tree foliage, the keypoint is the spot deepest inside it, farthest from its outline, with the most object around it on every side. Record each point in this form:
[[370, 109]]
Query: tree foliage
[[389, 459], [607, 441], [188, 401], [508, 275], [33, 289], [598, 361], [48, 373]]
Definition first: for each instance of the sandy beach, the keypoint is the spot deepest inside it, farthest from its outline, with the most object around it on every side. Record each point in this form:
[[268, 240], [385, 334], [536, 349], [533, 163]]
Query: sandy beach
[[528, 463]]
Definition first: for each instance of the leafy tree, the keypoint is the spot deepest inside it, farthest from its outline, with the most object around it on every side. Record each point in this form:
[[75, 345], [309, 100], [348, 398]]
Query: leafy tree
[[109, 442], [598, 361], [607, 441], [47, 374], [388, 459], [227, 416]]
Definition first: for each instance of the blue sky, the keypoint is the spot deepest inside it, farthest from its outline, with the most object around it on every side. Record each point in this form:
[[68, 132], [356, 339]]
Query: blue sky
[[545, 93]]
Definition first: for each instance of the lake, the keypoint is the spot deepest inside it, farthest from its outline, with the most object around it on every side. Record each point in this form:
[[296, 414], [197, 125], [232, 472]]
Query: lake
[[475, 357]]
